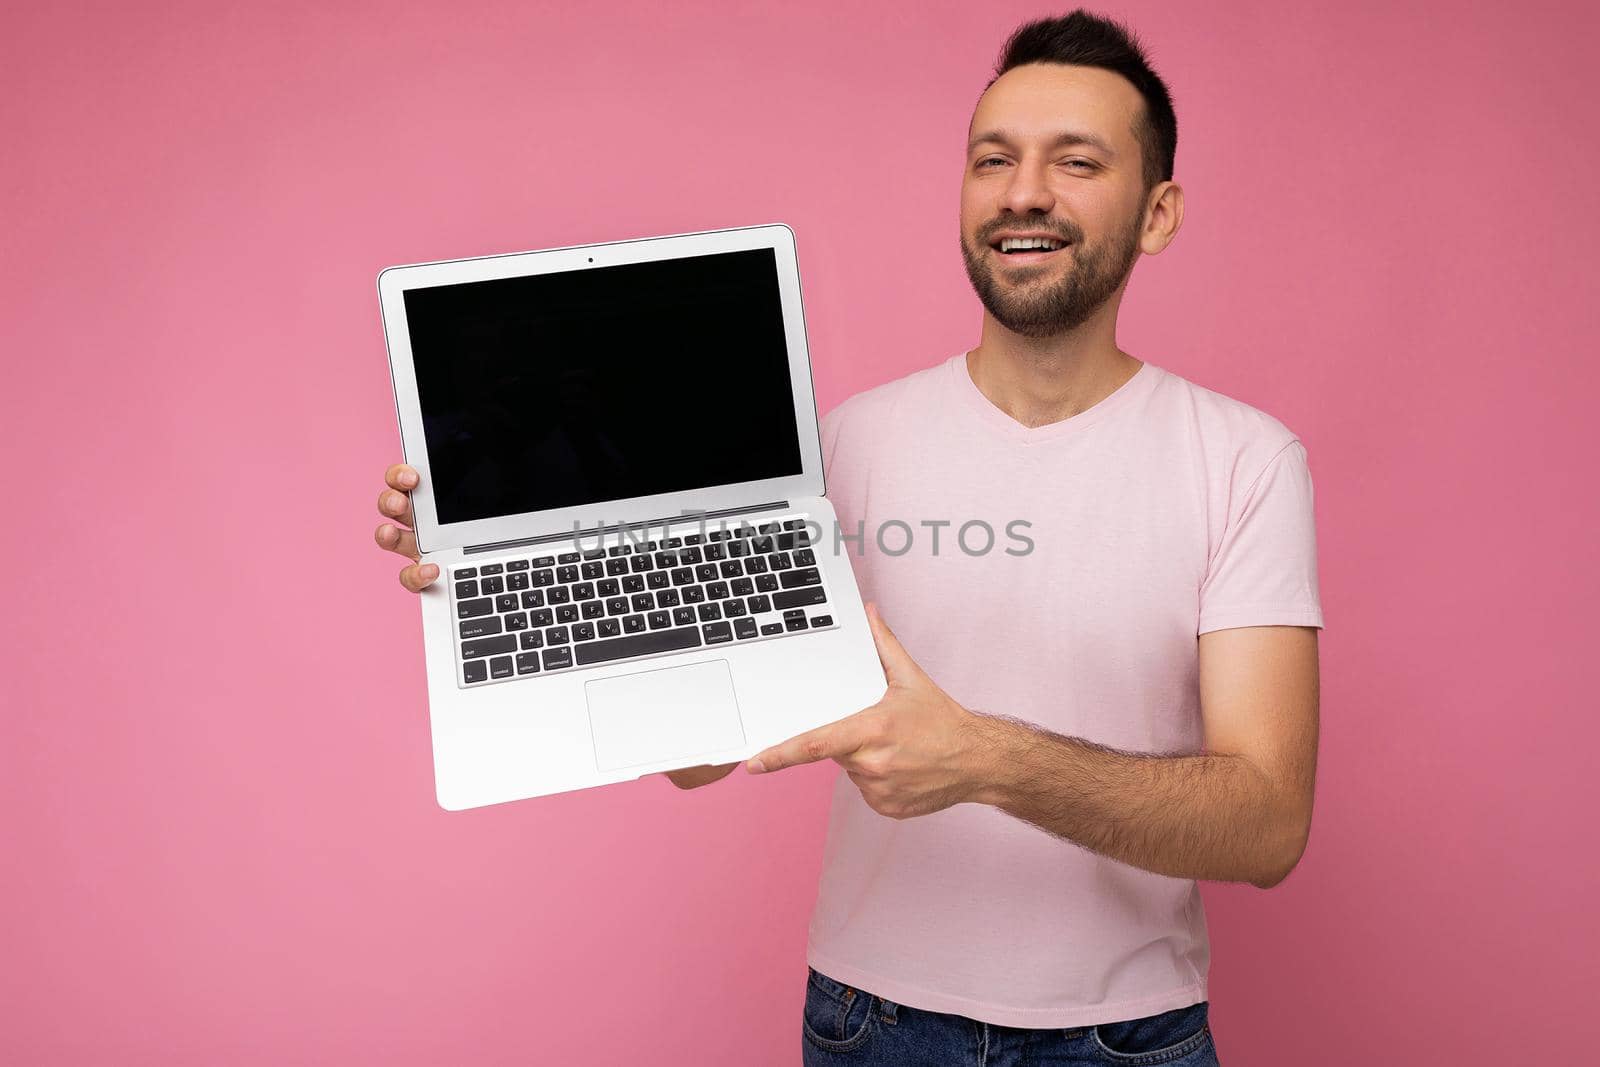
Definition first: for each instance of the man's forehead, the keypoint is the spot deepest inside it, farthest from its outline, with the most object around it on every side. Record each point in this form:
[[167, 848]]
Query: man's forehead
[[1040, 100]]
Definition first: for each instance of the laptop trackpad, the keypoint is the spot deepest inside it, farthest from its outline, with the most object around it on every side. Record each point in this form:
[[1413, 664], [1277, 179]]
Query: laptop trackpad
[[663, 714]]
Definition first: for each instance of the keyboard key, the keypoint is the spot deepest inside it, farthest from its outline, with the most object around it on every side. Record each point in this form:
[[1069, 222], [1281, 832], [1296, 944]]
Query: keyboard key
[[583, 591], [732, 607], [639, 645], [566, 575], [533, 598], [544, 561], [516, 581], [567, 613], [475, 671], [541, 618], [593, 609], [709, 612], [805, 558], [488, 646], [556, 635], [517, 565], [464, 572], [770, 628], [755, 565], [731, 568], [821, 620], [480, 627], [683, 616], [492, 568], [544, 578], [706, 572], [717, 633], [682, 576], [759, 605], [694, 594], [491, 586], [559, 594], [657, 580], [766, 583], [804, 576], [660, 620], [716, 590], [530, 639], [668, 598], [527, 662], [466, 589], [799, 598], [556, 658], [780, 561], [795, 624], [609, 628], [506, 602], [593, 569], [583, 631], [743, 587], [744, 628], [617, 605], [517, 620], [633, 624], [471, 609]]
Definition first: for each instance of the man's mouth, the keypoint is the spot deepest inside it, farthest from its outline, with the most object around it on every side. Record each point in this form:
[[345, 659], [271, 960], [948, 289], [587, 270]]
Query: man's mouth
[[1020, 251]]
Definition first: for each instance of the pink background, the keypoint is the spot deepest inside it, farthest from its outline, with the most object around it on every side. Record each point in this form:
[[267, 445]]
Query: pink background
[[220, 838]]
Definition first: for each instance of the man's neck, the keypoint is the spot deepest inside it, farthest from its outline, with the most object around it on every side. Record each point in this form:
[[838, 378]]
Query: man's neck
[[1041, 381]]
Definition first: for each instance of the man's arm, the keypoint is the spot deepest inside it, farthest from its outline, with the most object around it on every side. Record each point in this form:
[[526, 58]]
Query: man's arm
[[1241, 812]]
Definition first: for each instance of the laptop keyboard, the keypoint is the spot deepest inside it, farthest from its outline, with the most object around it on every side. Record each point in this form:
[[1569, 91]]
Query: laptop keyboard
[[528, 616]]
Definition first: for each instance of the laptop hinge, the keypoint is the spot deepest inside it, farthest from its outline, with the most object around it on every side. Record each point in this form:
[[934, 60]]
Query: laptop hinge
[[578, 532]]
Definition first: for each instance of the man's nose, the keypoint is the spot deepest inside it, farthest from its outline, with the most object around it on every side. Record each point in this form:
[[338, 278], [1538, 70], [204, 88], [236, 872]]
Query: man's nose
[[1028, 190]]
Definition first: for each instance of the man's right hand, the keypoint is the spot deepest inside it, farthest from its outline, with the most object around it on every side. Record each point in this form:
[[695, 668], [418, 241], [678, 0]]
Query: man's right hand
[[393, 503], [695, 777]]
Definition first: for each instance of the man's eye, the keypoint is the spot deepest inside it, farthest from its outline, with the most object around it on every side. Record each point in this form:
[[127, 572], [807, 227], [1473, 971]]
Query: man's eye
[[1071, 162]]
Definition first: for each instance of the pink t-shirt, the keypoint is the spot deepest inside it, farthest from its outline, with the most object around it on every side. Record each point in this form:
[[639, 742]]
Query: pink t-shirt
[[1116, 537]]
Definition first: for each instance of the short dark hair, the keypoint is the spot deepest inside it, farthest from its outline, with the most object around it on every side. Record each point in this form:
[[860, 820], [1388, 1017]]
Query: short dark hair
[[1080, 39]]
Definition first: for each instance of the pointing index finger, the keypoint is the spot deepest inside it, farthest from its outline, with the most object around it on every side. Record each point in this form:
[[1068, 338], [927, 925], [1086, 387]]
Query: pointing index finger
[[825, 742]]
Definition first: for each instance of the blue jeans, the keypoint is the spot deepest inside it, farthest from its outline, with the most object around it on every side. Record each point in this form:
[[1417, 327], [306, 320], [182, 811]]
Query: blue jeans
[[843, 1026]]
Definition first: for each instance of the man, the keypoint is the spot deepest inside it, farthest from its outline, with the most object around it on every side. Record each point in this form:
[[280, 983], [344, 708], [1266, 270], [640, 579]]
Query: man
[[1122, 700]]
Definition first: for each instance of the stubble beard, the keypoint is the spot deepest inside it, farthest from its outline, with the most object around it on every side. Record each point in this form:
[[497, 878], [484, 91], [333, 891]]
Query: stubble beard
[[1024, 303]]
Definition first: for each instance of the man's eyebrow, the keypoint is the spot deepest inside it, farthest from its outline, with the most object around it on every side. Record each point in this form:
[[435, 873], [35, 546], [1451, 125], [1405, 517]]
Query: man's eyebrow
[[1065, 137]]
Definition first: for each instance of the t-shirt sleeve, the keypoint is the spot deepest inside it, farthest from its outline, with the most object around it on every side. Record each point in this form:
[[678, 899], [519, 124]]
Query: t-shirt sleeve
[[1264, 572]]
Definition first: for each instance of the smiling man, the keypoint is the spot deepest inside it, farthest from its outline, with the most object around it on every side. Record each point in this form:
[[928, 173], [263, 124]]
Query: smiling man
[[1077, 729]]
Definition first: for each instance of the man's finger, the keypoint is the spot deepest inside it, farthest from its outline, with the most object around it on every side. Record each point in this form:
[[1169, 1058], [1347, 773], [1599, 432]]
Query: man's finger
[[396, 505], [418, 576], [898, 666], [825, 742], [397, 540], [401, 477]]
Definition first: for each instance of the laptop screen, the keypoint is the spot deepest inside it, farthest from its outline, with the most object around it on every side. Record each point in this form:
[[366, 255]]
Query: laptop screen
[[578, 387]]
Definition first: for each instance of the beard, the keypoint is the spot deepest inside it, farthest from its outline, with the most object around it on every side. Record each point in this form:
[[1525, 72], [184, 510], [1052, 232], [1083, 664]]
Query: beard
[[1025, 304]]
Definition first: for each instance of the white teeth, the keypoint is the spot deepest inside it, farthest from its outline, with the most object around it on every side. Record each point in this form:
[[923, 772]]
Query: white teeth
[[1029, 242]]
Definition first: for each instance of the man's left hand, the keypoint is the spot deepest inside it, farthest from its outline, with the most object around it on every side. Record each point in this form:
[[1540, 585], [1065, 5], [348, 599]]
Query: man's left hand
[[914, 752]]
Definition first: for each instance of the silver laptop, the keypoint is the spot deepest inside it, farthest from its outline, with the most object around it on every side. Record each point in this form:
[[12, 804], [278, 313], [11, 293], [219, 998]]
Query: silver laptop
[[622, 487]]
